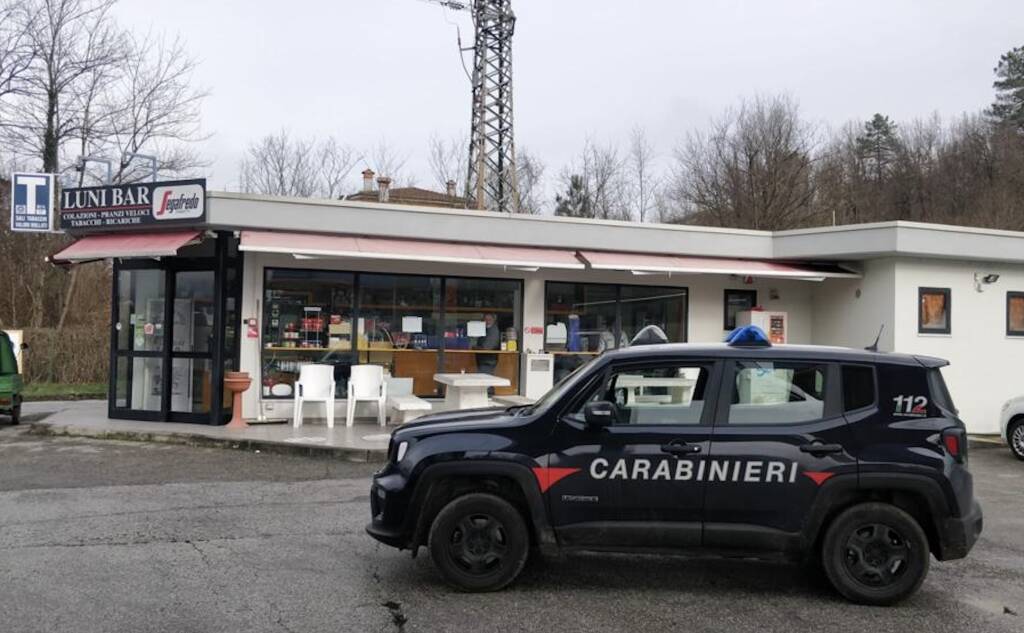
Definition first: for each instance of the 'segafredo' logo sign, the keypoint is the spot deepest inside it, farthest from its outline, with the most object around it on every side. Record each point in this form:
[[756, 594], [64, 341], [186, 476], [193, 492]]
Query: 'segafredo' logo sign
[[131, 206], [754, 471], [178, 202]]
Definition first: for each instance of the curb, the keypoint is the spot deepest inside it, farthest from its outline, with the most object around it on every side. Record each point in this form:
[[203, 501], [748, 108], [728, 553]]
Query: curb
[[985, 441], [205, 441]]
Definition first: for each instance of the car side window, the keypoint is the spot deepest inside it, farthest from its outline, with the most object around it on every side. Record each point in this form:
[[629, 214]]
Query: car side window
[[777, 392], [858, 387], [662, 394]]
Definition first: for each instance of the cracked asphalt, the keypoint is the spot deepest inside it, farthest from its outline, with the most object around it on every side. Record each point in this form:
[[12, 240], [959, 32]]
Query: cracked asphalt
[[117, 536]]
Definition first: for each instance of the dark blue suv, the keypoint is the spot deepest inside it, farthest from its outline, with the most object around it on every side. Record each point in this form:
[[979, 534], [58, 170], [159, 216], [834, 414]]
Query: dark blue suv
[[852, 459]]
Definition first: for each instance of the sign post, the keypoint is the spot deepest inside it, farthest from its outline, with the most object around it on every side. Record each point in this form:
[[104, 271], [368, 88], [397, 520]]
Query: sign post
[[32, 202]]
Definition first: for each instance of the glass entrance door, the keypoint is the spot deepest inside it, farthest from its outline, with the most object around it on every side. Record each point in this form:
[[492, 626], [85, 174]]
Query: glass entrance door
[[174, 333], [192, 390], [139, 343]]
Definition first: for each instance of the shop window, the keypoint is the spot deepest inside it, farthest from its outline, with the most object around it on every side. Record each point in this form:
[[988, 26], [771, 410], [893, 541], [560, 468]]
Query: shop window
[[1015, 313], [934, 311], [665, 308], [307, 318], [399, 327], [736, 301], [405, 323], [584, 320], [481, 328]]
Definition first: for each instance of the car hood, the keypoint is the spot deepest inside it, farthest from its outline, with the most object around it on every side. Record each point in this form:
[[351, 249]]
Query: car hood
[[465, 420]]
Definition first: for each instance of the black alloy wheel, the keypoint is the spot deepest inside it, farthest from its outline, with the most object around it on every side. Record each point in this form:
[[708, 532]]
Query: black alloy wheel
[[479, 542], [875, 553]]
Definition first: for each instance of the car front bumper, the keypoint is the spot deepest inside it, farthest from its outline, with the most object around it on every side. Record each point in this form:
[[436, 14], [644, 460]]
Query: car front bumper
[[389, 506]]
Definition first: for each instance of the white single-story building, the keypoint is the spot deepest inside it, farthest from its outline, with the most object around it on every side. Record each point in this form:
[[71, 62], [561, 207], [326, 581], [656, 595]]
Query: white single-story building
[[266, 284]]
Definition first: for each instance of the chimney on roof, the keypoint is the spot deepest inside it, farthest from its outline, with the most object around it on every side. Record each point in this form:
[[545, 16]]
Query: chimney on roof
[[450, 185], [383, 189], [367, 180]]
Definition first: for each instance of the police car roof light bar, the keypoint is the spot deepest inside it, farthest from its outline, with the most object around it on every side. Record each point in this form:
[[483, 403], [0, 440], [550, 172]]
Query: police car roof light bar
[[748, 336]]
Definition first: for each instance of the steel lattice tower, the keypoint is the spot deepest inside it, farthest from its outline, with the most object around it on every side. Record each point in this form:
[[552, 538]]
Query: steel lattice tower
[[491, 181]]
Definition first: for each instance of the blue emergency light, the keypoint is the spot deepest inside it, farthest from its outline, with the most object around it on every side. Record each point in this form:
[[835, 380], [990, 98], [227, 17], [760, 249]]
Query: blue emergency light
[[748, 336]]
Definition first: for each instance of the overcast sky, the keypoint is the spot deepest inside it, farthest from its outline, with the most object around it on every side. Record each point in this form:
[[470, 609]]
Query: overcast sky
[[390, 68]]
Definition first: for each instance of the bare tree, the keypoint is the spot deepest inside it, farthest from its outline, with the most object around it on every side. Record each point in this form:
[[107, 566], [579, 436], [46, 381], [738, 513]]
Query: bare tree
[[448, 161], [15, 49], [71, 42], [153, 106], [387, 161], [530, 176], [644, 181], [281, 165], [336, 161], [595, 184], [753, 169]]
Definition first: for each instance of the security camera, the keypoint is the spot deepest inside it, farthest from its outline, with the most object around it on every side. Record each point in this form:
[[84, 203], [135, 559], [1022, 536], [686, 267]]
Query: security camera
[[990, 278]]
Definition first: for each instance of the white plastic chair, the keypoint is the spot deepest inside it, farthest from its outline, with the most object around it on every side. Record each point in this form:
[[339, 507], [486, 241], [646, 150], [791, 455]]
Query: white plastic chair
[[367, 384], [315, 384]]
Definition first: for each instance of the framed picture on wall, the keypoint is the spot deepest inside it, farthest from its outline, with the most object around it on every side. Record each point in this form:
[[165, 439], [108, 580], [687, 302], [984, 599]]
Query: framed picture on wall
[[933, 311], [736, 301], [1015, 313]]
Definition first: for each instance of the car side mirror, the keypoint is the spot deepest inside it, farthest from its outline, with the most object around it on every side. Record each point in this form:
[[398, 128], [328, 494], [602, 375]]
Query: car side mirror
[[599, 414]]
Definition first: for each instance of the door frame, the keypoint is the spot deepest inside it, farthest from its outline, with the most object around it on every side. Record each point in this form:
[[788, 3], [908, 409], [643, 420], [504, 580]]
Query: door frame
[[170, 266]]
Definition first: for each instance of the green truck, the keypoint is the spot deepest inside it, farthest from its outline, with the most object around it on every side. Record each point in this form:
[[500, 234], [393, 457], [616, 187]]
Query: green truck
[[10, 380]]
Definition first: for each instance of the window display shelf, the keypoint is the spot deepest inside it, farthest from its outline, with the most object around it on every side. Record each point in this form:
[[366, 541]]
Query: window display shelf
[[302, 349]]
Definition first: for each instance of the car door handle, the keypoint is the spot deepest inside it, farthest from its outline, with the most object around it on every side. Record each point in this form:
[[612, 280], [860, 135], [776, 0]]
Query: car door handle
[[679, 447], [818, 448]]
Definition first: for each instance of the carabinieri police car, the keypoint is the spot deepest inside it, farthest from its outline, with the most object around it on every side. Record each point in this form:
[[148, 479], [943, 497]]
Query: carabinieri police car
[[849, 458]]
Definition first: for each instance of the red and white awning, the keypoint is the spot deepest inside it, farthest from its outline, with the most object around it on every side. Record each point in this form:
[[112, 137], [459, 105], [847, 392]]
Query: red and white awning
[[125, 245], [643, 264], [312, 245]]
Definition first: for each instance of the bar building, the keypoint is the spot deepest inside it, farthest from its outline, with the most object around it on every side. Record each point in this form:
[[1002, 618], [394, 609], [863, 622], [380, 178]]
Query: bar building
[[265, 285]]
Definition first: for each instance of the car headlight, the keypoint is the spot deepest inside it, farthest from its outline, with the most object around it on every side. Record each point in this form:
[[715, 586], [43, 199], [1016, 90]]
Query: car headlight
[[400, 453]]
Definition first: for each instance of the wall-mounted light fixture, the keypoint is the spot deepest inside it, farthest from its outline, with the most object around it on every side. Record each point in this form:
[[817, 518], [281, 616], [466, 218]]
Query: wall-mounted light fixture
[[981, 280]]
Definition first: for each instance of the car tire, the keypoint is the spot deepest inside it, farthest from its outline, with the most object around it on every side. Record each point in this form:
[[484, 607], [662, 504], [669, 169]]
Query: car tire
[[479, 542], [875, 554], [16, 413], [1015, 438]]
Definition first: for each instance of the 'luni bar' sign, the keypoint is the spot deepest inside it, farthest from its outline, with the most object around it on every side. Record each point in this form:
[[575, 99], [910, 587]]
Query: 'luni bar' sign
[[133, 205]]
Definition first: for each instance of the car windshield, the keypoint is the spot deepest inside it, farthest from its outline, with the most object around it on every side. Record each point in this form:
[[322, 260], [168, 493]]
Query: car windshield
[[559, 389]]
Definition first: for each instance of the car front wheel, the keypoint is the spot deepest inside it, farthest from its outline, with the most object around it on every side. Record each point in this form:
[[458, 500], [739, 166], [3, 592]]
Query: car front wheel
[[1015, 438], [479, 542], [875, 553]]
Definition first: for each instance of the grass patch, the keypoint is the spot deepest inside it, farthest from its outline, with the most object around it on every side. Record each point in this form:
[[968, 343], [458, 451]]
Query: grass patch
[[62, 391]]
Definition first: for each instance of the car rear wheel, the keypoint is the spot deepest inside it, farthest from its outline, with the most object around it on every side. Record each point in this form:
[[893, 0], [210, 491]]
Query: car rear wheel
[[16, 412], [875, 553], [479, 542], [1015, 438]]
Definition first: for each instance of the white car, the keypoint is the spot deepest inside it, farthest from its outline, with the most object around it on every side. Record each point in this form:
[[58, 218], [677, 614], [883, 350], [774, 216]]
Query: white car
[[1013, 425]]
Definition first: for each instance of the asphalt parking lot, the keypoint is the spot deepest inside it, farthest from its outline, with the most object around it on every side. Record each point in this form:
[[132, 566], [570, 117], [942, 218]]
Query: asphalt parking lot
[[115, 536]]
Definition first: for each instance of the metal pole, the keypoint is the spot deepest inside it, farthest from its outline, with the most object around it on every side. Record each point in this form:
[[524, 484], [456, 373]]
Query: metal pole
[[152, 163], [82, 160]]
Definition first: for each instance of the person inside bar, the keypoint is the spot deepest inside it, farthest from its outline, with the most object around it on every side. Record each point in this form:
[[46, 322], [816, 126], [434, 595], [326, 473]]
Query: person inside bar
[[491, 340]]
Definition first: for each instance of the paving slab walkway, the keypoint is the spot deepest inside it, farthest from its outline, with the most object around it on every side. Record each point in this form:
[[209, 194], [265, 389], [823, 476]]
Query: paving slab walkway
[[364, 441]]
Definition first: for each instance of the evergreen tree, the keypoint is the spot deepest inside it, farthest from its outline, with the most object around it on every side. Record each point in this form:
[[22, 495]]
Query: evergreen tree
[[576, 201], [1009, 105], [877, 146]]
